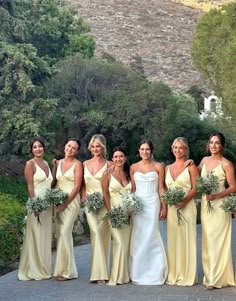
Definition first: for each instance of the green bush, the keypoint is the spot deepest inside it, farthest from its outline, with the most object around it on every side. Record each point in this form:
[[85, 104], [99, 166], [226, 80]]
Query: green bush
[[14, 187], [12, 215]]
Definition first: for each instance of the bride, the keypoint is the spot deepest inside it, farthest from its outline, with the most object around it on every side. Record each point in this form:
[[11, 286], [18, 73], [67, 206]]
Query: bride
[[148, 264]]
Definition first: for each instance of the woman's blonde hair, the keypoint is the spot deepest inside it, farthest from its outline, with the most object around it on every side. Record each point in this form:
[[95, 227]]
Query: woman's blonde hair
[[100, 139], [184, 141]]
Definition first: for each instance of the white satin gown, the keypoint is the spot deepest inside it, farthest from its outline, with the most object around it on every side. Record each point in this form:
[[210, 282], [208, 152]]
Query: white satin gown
[[148, 264]]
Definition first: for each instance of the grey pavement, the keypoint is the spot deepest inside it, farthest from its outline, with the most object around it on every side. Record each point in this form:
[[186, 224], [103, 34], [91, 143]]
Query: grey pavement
[[11, 289]]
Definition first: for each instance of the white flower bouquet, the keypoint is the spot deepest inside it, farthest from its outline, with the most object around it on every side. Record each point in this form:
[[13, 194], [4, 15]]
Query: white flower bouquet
[[94, 202], [131, 203], [36, 205], [207, 185], [229, 205], [56, 197], [117, 218], [172, 197]]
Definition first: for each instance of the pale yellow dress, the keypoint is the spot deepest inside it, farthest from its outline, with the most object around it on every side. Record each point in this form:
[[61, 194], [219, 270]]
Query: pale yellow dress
[[121, 239], [181, 239], [99, 230], [35, 260], [216, 239], [65, 262]]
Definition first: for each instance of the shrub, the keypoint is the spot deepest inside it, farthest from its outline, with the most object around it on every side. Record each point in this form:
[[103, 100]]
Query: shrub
[[15, 187], [12, 215]]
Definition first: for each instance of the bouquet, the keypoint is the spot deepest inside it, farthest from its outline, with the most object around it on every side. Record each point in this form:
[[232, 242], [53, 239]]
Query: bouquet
[[131, 203], [229, 205], [207, 185], [37, 204], [117, 218], [94, 202], [56, 197], [172, 197]]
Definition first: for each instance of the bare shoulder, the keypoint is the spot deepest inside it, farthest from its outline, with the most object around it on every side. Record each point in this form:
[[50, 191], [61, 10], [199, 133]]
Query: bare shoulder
[[192, 168], [227, 163], [30, 164], [159, 166], [78, 163], [134, 167], [109, 164]]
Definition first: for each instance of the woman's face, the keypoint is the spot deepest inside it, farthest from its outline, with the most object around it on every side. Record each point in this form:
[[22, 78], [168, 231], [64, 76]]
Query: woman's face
[[179, 150], [37, 149], [119, 158], [96, 149], [71, 148], [145, 151], [214, 145]]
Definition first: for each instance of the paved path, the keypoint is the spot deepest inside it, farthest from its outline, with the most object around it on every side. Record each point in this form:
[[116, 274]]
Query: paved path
[[81, 290]]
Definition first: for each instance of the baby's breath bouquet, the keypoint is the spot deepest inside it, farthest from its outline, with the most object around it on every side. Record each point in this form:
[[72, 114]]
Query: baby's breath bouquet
[[130, 202], [229, 205], [56, 197], [117, 218], [207, 185], [172, 197], [36, 204], [94, 202]]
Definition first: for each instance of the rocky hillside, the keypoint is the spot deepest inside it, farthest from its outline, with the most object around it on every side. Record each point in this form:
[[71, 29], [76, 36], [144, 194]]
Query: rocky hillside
[[157, 31]]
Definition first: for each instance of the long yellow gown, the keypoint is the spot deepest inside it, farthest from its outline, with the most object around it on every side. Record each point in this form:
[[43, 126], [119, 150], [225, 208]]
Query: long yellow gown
[[99, 230], [121, 239], [65, 262], [181, 239], [35, 260], [216, 239]]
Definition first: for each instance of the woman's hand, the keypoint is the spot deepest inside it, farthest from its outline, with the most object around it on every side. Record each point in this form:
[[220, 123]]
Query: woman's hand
[[60, 208], [55, 163], [210, 197], [180, 205], [163, 212]]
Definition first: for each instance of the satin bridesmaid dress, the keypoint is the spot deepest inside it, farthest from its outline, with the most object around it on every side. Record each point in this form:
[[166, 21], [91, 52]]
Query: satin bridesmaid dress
[[35, 260], [181, 239], [99, 230], [65, 262], [121, 239], [216, 239]]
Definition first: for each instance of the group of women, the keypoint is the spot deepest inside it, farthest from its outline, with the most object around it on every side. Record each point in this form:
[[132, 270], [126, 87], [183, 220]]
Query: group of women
[[138, 253]]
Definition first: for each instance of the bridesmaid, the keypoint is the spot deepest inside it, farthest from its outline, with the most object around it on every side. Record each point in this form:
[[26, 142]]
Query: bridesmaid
[[216, 226], [99, 228], [69, 174], [181, 239], [114, 182], [35, 260]]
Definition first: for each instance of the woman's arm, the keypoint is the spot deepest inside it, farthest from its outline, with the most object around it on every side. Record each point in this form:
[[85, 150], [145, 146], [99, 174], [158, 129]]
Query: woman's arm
[[78, 177], [230, 177], [131, 174], [83, 188], [161, 185], [193, 171], [105, 189], [29, 174], [55, 163]]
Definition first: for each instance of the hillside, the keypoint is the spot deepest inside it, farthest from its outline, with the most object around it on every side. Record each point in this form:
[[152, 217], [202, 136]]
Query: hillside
[[157, 31]]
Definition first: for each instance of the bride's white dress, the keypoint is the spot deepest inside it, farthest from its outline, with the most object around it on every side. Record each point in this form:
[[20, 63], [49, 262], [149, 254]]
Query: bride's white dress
[[148, 264]]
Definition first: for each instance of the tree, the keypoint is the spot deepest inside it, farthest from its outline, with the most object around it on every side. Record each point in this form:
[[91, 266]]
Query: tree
[[214, 53], [34, 35]]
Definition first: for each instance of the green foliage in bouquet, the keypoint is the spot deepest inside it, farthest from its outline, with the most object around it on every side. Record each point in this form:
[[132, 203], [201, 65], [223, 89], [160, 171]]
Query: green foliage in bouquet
[[117, 218], [229, 205], [94, 202], [36, 204], [131, 203], [55, 197], [207, 185], [172, 197]]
